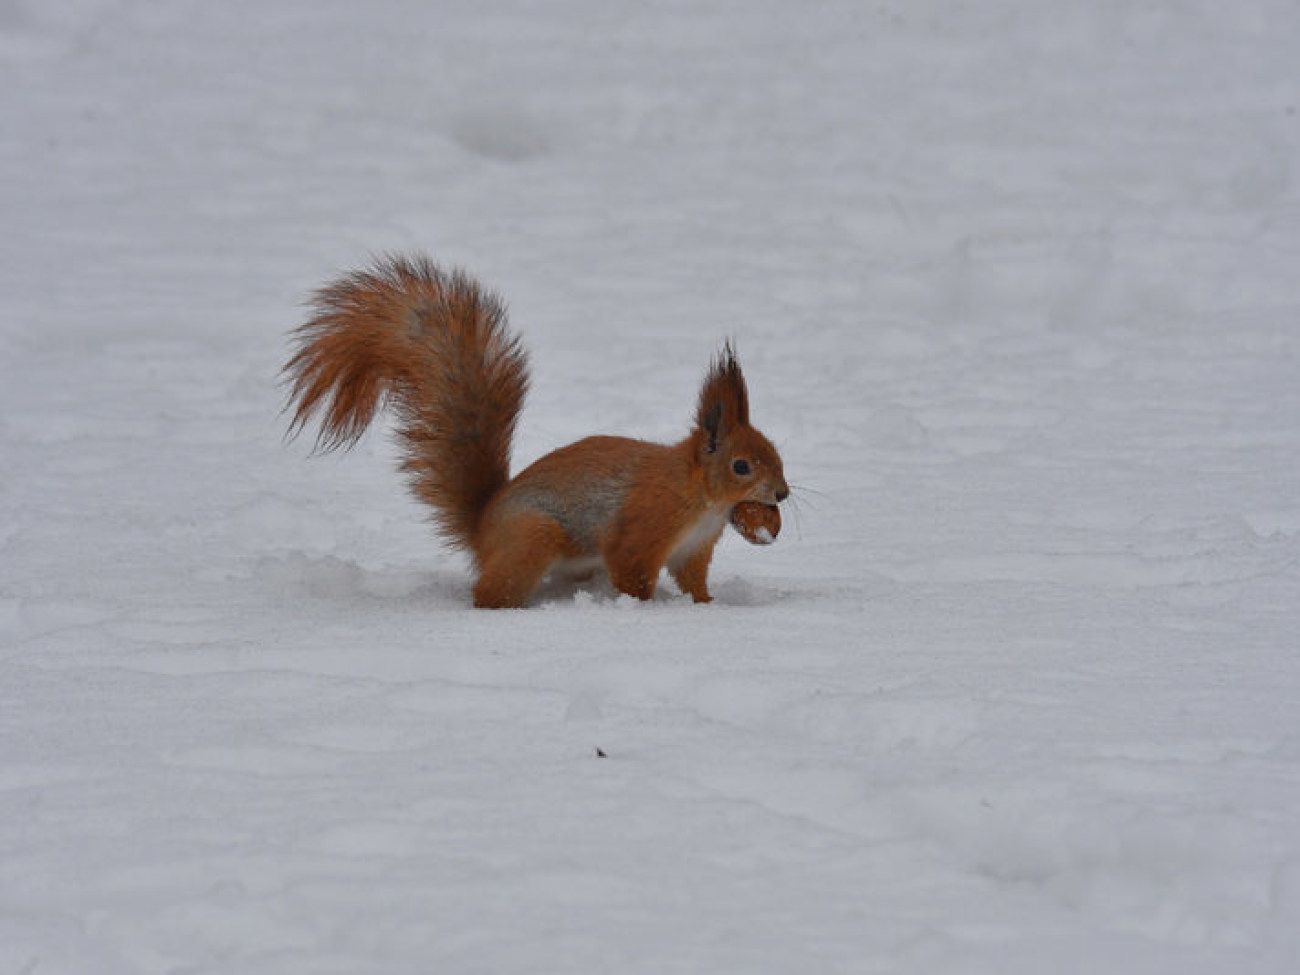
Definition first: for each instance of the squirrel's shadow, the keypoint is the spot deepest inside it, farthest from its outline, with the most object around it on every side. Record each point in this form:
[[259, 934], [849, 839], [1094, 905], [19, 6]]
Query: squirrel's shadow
[[341, 581], [596, 589]]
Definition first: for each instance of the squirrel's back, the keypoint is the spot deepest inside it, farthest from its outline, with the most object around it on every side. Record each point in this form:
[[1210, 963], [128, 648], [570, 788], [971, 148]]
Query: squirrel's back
[[435, 347]]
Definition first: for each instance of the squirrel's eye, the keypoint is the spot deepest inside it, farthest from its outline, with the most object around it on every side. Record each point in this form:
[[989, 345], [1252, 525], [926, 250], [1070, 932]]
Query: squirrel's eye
[[741, 467]]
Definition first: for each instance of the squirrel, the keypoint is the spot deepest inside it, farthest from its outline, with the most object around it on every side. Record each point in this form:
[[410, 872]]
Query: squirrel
[[434, 347]]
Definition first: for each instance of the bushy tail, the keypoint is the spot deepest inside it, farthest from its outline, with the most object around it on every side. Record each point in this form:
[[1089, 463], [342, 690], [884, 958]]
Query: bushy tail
[[435, 347]]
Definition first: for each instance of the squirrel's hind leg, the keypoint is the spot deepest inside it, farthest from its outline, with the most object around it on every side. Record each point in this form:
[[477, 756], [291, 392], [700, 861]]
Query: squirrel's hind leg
[[515, 559]]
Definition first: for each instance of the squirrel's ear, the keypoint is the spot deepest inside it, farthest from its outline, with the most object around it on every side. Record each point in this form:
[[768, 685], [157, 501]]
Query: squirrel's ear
[[724, 400]]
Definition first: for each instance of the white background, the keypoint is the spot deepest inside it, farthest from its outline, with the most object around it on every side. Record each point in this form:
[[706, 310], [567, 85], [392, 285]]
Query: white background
[[1017, 290]]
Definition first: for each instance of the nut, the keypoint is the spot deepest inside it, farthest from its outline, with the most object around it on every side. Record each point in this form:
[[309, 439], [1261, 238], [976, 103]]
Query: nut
[[759, 523]]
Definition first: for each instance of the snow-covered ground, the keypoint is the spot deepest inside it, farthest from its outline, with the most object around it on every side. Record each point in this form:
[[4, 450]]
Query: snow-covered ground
[[1017, 288]]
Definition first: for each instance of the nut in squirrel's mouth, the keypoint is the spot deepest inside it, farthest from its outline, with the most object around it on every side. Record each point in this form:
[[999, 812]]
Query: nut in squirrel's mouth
[[758, 522]]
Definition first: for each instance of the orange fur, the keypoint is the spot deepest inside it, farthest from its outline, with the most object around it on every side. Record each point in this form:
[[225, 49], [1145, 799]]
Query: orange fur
[[434, 346]]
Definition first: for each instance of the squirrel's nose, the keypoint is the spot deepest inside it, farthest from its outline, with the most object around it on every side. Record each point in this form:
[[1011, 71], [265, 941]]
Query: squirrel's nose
[[782, 493]]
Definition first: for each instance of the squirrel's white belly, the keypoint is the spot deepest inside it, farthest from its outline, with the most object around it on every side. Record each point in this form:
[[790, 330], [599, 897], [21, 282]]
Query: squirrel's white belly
[[582, 567], [704, 531], [579, 568]]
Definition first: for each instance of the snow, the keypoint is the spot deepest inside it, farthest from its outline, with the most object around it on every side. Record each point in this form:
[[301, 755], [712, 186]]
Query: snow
[[1014, 286]]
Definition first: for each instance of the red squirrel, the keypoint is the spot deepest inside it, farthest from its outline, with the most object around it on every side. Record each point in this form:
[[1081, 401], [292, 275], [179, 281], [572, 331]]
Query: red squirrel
[[435, 348]]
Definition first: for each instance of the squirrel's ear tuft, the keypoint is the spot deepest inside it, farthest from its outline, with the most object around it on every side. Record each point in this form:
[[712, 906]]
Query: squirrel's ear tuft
[[724, 400]]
